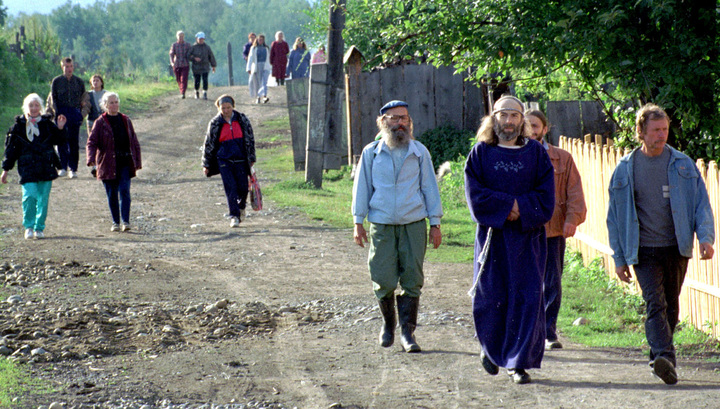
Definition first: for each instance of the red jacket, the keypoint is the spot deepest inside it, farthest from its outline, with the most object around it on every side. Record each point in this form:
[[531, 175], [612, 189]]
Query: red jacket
[[101, 148], [569, 199]]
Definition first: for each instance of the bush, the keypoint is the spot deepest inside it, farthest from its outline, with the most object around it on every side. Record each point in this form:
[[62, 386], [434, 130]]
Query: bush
[[447, 143]]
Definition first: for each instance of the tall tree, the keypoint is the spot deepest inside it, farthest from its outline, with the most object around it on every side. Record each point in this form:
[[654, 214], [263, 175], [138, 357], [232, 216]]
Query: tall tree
[[618, 51]]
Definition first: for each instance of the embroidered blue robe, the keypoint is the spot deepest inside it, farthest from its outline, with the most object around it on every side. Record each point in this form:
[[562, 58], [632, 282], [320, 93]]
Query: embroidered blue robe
[[508, 303]]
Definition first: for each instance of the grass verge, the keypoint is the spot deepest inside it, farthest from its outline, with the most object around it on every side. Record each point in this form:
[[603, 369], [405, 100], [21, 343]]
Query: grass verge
[[15, 383]]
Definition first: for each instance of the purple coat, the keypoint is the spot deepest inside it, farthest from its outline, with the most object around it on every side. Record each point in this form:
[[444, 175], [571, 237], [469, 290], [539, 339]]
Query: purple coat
[[101, 148]]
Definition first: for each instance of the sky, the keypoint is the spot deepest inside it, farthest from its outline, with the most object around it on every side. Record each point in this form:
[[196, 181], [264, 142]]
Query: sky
[[38, 6]]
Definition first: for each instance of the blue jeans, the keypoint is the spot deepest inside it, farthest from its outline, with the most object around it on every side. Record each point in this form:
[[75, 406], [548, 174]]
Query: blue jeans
[[553, 284], [119, 189], [660, 272], [235, 181], [35, 197]]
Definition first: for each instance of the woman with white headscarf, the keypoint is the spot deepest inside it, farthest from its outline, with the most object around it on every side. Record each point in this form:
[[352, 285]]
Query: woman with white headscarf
[[31, 143]]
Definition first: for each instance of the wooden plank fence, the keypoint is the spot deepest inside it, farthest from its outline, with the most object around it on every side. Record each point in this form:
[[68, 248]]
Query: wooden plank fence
[[700, 297], [437, 96], [574, 119]]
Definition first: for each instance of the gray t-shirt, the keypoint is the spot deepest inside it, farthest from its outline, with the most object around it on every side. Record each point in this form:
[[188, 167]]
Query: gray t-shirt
[[652, 199]]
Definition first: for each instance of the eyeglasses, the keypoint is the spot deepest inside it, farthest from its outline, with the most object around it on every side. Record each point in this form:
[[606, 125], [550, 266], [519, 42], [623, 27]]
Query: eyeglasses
[[398, 118]]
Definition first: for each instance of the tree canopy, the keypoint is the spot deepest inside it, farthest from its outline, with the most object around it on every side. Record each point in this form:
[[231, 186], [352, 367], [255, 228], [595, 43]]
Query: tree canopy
[[621, 53]]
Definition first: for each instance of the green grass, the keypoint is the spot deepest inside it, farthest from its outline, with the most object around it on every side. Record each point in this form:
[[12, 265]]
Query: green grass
[[616, 317], [15, 383]]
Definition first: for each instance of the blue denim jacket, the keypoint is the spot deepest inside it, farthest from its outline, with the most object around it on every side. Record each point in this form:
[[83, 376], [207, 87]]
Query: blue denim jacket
[[691, 211], [381, 198]]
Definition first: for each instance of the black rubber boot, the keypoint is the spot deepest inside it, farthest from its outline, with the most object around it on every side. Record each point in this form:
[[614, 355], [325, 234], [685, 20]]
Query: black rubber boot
[[387, 332], [407, 314]]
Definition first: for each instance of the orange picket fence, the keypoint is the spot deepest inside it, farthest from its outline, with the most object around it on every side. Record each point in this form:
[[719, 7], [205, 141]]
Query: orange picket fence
[[700, 298]]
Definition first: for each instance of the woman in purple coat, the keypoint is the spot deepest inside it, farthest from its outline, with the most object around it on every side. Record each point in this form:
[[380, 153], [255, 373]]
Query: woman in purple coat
[[279, 50], [113, 151]]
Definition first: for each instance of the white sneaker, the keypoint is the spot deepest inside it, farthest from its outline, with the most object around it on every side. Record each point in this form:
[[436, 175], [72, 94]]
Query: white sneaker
[[28, 234], [234, 222], [62, 172], [39, 234], [115, 227], [72, 174], [125, 227]]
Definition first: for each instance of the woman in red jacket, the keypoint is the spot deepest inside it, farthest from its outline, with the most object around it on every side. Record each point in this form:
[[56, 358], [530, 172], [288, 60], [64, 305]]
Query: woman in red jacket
[[279, 50], [113, 151]]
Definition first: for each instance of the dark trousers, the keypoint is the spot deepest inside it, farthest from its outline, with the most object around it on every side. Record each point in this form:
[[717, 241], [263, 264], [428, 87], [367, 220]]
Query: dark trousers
[[235, 181], [181, 76], [204, 77], [552, 288], [70, 152], [118, 195], [660, 272]]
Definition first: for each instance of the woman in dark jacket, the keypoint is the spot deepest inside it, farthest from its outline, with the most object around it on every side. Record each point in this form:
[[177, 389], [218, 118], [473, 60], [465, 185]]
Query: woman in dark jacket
[[30, 143], [113, 151], [230, 151]]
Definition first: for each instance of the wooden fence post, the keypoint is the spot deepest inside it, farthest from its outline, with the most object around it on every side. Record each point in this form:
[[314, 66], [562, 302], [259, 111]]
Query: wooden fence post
[[316, 124], [297, 101], [353, 62], [230, 67]]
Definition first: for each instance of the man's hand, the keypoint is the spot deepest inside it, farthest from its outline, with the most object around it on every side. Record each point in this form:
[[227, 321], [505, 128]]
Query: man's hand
[[3, 177], [514, 212], [435, 236], [623, 273], [569, 230], [61, 121], [206, 171], [360, 235], [706, 251], [213, 69]]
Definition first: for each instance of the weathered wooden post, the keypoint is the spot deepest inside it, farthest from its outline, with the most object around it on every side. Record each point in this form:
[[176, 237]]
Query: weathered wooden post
[[325, 131], [230, 69], [316, 124], [353, 64], [297, 101]]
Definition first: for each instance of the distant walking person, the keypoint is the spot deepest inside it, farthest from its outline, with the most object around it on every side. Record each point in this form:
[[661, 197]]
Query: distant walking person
[[570, 211], [113, 149], [248, 45], [230, 151], [658, 203], [179, 61], [279, 50], [319, 57], [31, 143], [259, 69], [396, 190], [203, 61], [299, 60], [98, 90], [69, 98], [510, 192]]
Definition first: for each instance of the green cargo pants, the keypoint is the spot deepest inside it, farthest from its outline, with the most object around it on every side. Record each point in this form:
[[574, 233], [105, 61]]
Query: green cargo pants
[[396, 256]]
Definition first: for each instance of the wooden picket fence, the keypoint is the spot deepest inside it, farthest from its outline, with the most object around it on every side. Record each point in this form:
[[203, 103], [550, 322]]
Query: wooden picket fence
[[700, 298]]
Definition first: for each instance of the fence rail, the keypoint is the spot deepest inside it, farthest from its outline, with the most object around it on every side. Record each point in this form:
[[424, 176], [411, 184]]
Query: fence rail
[[700, 297]]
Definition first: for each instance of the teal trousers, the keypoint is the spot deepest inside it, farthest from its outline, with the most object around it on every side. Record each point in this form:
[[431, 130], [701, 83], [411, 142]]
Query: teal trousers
[[35, 197]]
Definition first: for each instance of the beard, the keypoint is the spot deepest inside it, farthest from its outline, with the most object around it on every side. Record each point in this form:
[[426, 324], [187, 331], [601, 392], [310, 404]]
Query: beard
[[505, 134], [396, 135]]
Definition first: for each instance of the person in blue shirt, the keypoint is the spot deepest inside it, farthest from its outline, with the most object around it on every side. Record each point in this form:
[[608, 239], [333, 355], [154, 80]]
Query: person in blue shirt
[[658, 202], [396, 190]]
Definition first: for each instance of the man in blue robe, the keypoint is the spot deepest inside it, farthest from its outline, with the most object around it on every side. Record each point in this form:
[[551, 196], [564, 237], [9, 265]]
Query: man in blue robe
[[510, 191]]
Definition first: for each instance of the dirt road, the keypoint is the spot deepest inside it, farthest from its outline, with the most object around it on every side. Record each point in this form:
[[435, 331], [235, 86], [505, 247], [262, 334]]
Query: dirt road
[[279, 313]]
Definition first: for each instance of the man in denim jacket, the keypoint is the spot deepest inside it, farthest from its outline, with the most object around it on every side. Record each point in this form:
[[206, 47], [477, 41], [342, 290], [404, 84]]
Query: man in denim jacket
[[395, 188], [657, 201]]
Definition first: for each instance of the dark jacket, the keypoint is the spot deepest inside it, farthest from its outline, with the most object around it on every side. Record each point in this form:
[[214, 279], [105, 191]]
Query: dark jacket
[[37, 160], [212, 142], [101, 148], [207, 58]]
